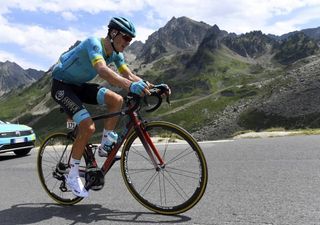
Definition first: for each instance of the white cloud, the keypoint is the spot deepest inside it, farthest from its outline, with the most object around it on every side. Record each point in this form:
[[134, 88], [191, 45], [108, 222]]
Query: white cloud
[[37, 41], [76, 5], [143, 33], [24, 63], [69, 16], [240, 16]]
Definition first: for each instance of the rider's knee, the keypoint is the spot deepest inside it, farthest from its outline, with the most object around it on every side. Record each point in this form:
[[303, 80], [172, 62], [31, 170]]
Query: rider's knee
[[119, 100], [114, 99], [91, 129], [88, 127]]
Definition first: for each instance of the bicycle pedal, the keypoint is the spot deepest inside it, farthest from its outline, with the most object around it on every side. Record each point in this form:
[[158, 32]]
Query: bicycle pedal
[[94, 179]]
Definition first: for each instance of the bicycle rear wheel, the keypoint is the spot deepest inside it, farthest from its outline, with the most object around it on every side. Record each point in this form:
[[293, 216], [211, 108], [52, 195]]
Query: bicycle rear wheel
[[53, 164], [174, 188]]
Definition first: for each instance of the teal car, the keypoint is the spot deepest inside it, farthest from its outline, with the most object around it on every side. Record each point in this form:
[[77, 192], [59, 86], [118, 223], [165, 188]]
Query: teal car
[[16, 138]]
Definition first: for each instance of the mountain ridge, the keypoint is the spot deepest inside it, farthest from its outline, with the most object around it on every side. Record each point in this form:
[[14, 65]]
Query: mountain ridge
[[13, 76], [232, 82]]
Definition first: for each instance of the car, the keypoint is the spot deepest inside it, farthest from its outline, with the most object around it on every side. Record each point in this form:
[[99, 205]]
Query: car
[[16, 138]]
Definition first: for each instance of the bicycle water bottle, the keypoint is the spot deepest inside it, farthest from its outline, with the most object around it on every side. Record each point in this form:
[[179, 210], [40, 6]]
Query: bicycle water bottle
[[112, 138]]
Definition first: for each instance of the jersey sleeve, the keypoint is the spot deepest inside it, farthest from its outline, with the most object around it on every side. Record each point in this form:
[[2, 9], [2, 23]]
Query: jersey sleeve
[[95, 50], [120, 63]]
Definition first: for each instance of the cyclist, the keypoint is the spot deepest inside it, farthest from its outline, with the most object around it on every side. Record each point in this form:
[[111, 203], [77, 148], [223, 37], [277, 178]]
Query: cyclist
[[70, 88]]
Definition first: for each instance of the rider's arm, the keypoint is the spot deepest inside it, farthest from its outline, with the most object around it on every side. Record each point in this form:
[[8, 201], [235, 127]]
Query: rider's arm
[[126, 72], [112, 77]]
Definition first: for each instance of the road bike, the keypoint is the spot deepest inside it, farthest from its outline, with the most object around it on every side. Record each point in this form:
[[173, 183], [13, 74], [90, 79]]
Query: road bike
[[162, 165]]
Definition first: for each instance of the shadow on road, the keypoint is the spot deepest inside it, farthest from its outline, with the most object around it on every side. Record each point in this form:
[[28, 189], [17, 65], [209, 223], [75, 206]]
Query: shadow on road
[[29, 213]]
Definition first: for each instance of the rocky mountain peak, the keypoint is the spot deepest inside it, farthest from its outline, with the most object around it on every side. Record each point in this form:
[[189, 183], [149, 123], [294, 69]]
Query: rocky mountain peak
[[135, 47], [250, 44], [178, 34], [212, 38], [13, 76], [295, 47]]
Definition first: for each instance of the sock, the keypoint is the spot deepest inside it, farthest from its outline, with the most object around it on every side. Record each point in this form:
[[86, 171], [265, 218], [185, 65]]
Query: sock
[[104, 136], [74, 170]]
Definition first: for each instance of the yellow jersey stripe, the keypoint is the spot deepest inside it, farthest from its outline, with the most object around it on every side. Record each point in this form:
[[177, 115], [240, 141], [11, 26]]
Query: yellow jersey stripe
[[104, 48], [96, 60], [123, 68]]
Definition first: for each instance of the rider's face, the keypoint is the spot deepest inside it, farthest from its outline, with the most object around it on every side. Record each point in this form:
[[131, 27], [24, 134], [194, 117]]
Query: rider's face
[[121, 41]]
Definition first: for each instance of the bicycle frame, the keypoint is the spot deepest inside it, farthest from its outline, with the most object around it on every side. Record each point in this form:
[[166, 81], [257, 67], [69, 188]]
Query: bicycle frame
[[134, 123], [169, 187]]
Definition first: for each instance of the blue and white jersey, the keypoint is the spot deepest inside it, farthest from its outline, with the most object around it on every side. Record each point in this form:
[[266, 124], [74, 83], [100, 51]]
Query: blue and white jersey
[[76, 66]]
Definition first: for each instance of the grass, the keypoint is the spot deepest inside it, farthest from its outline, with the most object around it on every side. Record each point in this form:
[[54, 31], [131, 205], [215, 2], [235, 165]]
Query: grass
[[273, 132], [17, 103]]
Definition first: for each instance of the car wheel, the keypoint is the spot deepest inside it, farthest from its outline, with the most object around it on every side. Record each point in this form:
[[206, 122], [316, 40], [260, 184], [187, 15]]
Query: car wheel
[[22, 152]]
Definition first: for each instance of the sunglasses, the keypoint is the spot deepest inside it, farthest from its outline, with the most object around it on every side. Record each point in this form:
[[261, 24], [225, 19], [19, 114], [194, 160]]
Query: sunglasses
[[126, 37]]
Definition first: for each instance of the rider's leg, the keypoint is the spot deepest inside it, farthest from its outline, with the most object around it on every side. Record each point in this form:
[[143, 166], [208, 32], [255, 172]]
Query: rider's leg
[[114, 103], [86, 129]]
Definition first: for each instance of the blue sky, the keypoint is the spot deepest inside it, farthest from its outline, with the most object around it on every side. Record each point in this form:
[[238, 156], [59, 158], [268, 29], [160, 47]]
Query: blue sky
[[33, 33]]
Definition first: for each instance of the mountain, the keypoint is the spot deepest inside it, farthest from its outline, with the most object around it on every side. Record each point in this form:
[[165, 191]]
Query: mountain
[[179, 34], [12, 76], [295, 47], [221, 82], [135, 48], [313, 33], [252, 44]]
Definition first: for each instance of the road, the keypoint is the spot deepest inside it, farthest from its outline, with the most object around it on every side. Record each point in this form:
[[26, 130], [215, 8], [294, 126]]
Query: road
[[251, 181]]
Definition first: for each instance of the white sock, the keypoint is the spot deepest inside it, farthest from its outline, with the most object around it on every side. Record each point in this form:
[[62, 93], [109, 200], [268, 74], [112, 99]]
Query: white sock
[[104, 136], [74, 171]]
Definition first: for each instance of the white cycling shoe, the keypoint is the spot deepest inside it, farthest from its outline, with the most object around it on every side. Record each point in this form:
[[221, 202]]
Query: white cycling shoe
[[76, 186]]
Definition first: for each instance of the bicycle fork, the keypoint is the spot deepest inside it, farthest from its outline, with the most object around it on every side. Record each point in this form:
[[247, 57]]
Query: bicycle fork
[[149, 147]]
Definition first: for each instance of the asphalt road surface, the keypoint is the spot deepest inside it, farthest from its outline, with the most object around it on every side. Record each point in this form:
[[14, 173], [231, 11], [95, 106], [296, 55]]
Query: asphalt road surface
[[251, 181]]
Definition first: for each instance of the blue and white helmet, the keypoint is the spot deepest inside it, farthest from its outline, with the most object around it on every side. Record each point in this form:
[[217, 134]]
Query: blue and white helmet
[[122, 24]]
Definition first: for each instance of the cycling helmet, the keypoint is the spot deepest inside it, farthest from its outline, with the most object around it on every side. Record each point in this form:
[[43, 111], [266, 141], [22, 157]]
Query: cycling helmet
[[122, 24]]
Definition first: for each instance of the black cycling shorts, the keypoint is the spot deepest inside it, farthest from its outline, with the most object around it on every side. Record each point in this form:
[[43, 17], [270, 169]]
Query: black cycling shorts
[[71, 98]]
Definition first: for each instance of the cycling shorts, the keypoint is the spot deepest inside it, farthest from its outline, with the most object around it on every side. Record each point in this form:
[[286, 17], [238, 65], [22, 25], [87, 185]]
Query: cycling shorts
[[71, 98]]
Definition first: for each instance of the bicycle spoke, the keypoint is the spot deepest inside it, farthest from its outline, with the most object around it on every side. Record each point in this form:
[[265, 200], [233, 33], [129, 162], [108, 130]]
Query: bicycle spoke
[[179, 156], [173, 187], [184, 173], [54, 155], [141, 170], [141, 155], [149, 183], [176, 186], [165, 151], [164, 189]]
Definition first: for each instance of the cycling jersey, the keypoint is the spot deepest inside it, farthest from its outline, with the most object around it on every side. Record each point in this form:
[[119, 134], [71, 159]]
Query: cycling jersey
[[76, 66]]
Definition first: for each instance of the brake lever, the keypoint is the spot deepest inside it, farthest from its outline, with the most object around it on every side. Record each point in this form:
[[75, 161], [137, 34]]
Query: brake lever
[[164, 89], [168, 99]]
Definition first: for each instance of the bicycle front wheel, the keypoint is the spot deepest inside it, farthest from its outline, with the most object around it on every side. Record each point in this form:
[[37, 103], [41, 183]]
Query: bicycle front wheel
[[53, 164], [175, 187]]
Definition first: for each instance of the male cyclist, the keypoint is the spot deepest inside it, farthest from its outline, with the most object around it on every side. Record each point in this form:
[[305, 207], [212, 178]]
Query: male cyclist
[[70, 88]]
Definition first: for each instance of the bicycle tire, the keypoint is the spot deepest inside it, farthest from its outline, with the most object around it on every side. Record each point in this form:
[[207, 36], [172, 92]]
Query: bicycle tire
[[54, 151], [184, 176]]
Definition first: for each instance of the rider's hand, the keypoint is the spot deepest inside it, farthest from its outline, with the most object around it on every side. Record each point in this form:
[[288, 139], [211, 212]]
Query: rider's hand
[[139, 87]]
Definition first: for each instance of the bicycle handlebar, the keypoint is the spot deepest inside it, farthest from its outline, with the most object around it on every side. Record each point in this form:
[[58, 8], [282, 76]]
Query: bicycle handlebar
[[157, 91]]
